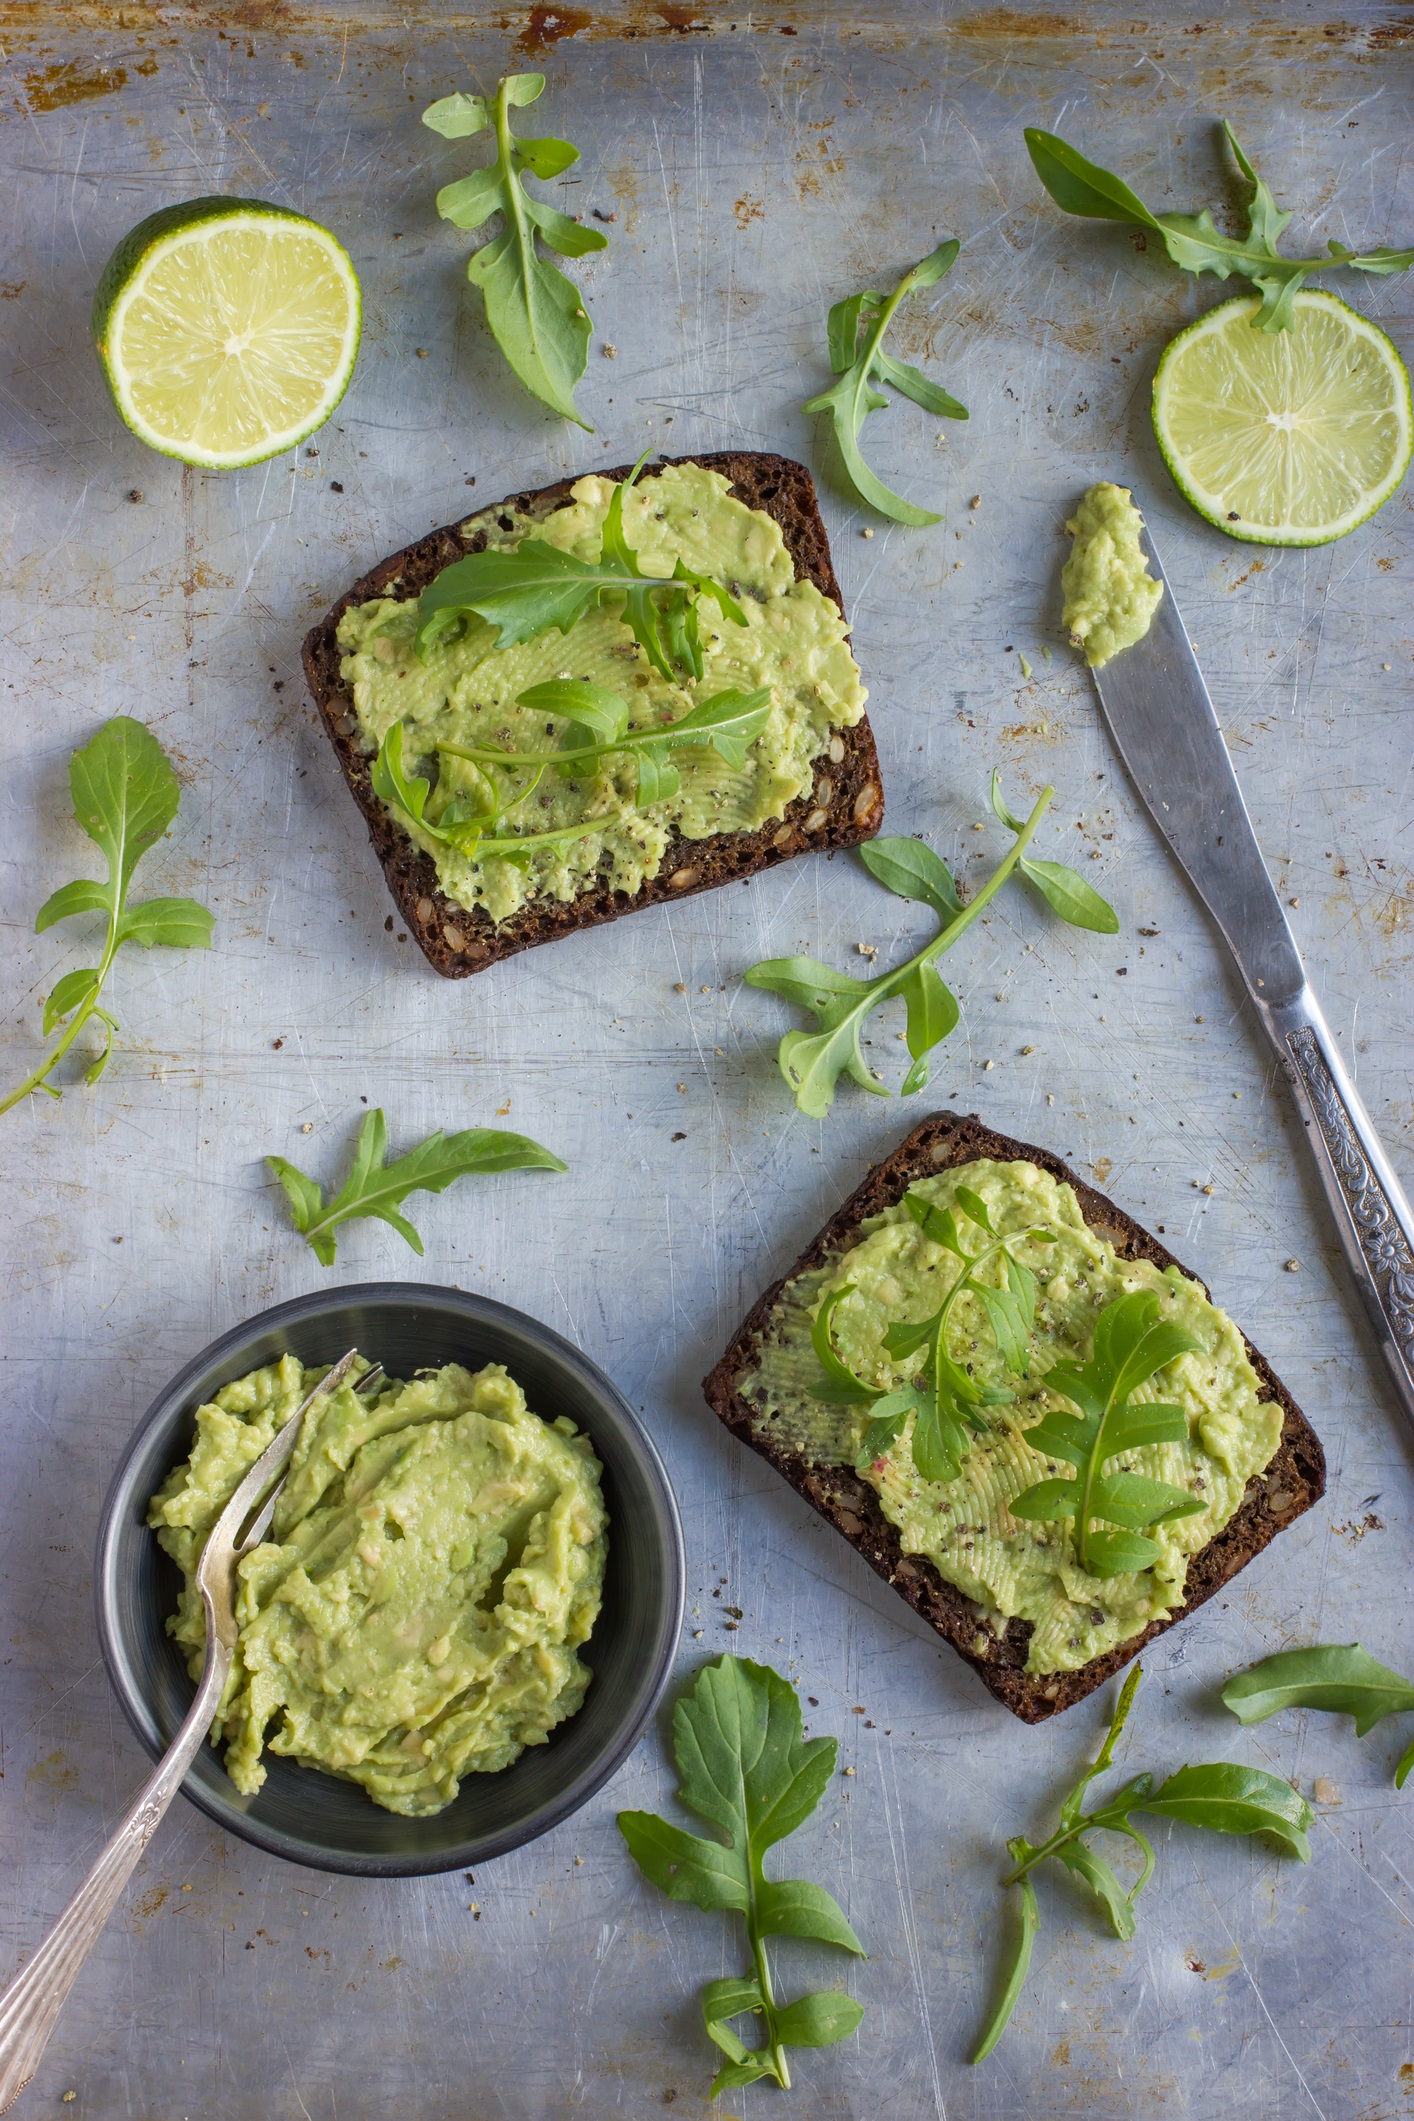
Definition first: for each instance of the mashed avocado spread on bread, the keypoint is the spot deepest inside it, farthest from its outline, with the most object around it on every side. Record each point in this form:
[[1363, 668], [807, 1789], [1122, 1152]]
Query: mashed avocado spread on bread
[[1009, 1567], [467, 689], [413, 1615]]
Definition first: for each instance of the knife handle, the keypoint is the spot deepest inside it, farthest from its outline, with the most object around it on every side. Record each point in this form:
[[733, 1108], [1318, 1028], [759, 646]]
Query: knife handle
[[1371, 1211]]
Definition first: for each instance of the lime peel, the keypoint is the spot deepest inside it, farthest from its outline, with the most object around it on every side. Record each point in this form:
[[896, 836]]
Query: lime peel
[[227, 329], [1285, 438]]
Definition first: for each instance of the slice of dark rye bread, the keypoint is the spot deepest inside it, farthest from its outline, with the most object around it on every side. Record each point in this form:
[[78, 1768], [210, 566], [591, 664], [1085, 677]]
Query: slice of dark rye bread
[[845, 805], [1292, 1482]]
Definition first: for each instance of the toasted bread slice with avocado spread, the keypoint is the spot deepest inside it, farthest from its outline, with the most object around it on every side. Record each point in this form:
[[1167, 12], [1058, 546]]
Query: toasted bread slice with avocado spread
[[1009, 1595], [812, 780]]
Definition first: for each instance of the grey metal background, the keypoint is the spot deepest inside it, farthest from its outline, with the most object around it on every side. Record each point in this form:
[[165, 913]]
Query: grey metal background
[[758, 171]]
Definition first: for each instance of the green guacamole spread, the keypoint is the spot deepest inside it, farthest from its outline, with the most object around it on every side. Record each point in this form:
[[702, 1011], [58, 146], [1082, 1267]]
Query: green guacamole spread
[[1010, 1568], [1110, 595], [465, 693], [436, 1557]]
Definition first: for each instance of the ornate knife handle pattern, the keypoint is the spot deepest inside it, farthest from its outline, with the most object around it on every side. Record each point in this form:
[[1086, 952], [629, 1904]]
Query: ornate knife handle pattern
[[1382, 1241]]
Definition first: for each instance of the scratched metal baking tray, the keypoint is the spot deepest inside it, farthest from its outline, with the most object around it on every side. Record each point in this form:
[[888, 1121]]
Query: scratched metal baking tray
[[758, 169]]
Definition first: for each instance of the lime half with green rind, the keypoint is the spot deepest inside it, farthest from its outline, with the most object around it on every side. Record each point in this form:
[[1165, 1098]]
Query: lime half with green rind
[[1285, 437], [227, 329]]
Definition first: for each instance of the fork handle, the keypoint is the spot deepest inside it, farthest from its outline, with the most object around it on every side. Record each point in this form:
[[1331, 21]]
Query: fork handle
[[30, 2006]]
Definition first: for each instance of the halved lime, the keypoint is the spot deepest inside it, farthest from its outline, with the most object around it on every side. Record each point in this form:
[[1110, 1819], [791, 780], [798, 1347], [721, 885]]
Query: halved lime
[[1284, 437], [227, 329]]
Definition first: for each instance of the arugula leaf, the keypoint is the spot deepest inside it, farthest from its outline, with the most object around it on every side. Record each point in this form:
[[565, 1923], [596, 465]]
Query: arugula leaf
[[664, 623], [1228, 1799], [125, 796], [1194, 241], [598, 728], [1341, 1678], [375, 1187], [729, 722], [1064, 889], [850, 401], [944, 1399], [536, 315], [597, 718], [1219, 1796], [468, 831], [813, 1062], [745, 1767], [1020, 1963], [1131, 1344], [525, 591], [912, 870], [1081, 187], [844, 1388], [932, 1012], [395, 786]]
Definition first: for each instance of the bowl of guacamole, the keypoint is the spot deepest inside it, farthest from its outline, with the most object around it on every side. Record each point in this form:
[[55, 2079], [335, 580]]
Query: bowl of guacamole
[[466, 1607]]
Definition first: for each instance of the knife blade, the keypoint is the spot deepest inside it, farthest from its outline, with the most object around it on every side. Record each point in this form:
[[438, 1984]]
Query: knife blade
[[1165, 729]]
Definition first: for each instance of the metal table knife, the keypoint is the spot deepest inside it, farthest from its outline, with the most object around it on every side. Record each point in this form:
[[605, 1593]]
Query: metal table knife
[[1163, 724]]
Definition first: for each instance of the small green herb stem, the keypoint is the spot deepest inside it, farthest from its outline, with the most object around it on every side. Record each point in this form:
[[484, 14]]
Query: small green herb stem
[[1092, 1469], [1246, 255], [889, 984], [36, 1080], [968, 1280], [512, 198], [1073, 1821], [938, 1338], [1112, 1816], [514, 843], [883, 990], [939, 1321], [993, 885], [865, 363], [522, 795], [487, 754], [388, 1196], [503, 810], [768, 1995], [965, 1280]]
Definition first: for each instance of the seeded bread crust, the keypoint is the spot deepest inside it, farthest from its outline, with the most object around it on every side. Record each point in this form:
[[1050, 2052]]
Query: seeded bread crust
[[1293, 1481], [845, 806]]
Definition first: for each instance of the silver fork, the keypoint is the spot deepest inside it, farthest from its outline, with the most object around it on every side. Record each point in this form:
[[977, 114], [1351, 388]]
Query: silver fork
[[30, 2006]]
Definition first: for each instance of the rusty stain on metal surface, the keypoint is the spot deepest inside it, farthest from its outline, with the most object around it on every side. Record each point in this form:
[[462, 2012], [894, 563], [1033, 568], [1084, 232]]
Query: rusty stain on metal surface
[[678, 21], [546, 26], [884, 25], [71, 81], [1010, 22], [54, 1772]]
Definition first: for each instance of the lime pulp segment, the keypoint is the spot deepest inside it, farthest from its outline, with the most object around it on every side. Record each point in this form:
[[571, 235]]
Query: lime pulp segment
[[232, 336], [1287, 437]]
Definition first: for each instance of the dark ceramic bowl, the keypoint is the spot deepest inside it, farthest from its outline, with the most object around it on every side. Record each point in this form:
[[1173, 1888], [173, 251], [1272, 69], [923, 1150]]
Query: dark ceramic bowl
[[314, 1818]]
